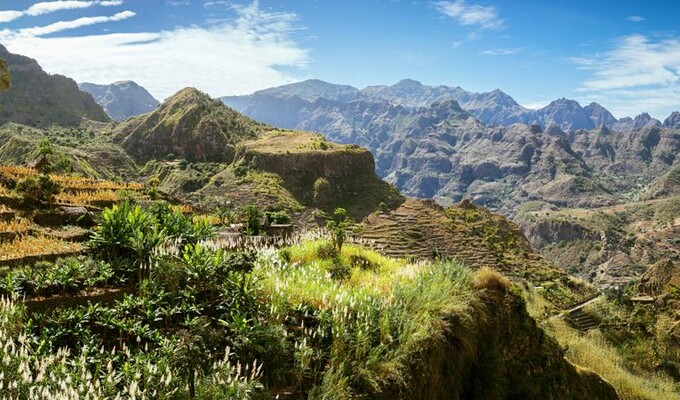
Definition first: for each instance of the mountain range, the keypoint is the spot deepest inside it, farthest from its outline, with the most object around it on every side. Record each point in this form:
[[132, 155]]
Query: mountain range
[[121, 100], [492, 108], [447, 152]]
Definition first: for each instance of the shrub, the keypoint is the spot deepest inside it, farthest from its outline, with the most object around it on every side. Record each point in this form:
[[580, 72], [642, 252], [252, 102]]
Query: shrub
[[487, 278], [357, 260], [277, 217], [322, 191], [285, 254], [154, 182], [326, 251], [253, 217], [339, 270], [225, 213], [37, 189], [127, 231]]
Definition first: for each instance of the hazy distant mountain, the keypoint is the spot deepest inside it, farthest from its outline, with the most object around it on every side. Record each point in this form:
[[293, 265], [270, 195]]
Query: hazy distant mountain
[[628, 124], [121, 100], [494, 107], [37, 98], [277, 106], [312, 89], [566, 114], [599, 115]]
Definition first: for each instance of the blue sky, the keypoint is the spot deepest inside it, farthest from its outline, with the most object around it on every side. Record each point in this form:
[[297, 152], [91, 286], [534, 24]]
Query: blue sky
[[624, 55]]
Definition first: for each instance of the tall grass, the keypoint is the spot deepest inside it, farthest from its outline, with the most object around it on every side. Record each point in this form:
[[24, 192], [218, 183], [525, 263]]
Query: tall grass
[[377, 321], [592, 351]]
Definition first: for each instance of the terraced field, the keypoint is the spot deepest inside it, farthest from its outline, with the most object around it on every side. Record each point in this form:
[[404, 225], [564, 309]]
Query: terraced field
[[473, 236], [46, 232]]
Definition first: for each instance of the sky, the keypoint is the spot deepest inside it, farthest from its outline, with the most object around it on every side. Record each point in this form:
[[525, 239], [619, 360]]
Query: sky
[[624, 55]]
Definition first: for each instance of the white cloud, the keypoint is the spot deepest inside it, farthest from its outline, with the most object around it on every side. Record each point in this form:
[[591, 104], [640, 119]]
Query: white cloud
[[233, 57], [499, 52], [47, 7], [76, 23], [636, 18], [8, 16], [484, 17], [53, 6], [638, 73], [636, 61]]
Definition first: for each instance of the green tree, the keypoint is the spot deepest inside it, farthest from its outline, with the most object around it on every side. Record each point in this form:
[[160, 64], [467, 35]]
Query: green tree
[[253, 220], [45, 148], [337, 226], [154, 183]]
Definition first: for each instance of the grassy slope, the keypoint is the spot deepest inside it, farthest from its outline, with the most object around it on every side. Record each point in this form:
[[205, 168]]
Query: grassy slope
[[596, 351]]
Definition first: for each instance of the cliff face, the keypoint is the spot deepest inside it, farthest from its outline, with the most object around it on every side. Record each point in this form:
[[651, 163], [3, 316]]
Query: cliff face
[[334, 165], [320, 173], [39, 99], [502, 354]]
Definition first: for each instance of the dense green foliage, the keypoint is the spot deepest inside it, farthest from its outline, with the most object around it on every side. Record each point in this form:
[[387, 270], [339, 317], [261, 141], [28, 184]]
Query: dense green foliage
[[131, 232]]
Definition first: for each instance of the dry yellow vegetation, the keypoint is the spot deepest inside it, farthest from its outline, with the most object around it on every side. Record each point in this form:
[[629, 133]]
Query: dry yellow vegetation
[[13, 170], [284, 141], [92, 184], [86, 197], [16, 225], [30, 246]]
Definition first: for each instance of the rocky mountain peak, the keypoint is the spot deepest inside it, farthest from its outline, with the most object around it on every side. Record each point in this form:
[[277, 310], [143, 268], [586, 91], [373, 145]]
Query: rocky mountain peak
[[565, 113], [311, 90], [449, 108], [407, 84], [599, 115], [122, 99], [673, 121], [564, 103], [645, 119], [189, 124]]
